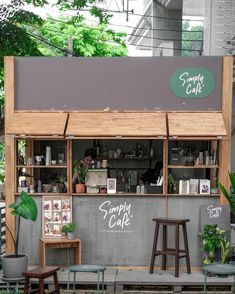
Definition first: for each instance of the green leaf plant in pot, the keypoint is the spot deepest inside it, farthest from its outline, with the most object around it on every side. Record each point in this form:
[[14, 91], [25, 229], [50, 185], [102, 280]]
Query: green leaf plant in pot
[[79, 176], [215, 246], [68, 230], [230, 196], [15, 264]]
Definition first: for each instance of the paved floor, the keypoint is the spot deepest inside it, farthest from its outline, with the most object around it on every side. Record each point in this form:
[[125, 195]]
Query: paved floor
[[140, 281]]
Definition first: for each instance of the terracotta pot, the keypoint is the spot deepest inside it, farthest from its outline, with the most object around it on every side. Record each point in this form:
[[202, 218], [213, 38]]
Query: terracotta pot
[[80, 188]]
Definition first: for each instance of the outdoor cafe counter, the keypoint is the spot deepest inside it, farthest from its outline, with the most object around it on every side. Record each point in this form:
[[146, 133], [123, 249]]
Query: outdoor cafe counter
[[118, 229]]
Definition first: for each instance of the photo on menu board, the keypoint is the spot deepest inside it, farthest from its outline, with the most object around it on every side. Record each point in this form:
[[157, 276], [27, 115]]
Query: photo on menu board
[[111, 186], [193, 186], [183, 186], [204, 186], [57, 211]]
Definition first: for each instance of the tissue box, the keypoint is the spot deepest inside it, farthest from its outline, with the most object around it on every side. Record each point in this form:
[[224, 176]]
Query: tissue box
[[153, 189], [22, 189]]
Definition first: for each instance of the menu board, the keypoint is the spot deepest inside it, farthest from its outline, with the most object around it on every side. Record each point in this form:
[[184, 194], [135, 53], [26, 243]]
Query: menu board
[[57, 211]]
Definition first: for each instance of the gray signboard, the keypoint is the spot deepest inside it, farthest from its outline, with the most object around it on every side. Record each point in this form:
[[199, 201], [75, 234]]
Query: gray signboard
[[130, 83]]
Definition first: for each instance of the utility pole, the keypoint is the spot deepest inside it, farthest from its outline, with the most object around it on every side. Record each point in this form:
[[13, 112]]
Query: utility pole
[[69, 52]]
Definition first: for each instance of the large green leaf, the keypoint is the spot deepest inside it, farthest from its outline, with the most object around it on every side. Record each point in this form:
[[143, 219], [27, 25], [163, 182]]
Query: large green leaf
[[229, 196], [27, 208]]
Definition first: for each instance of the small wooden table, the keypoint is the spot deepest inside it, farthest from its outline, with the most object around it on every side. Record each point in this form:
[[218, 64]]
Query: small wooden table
[[60, 243]]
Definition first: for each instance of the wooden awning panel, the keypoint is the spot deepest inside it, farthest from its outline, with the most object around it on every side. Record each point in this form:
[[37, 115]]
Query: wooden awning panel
[[109, 124], [196, 124], [37, 124]]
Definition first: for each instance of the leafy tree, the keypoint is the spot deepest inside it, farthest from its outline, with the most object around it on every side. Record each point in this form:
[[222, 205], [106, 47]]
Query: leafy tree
[[195, 35], [23, 33], [87, 41]]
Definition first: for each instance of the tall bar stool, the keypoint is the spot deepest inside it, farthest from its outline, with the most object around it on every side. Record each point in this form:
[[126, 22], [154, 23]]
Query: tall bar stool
[[178, 253]]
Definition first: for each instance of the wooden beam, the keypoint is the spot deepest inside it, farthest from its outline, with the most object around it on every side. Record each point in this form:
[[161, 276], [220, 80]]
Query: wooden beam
[[9, 82], [225, 148], [9, 149], [9, 189]]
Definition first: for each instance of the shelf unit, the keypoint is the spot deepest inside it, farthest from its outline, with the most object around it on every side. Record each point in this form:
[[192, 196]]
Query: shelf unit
[[31, 173], [37, 146], [211, 171]]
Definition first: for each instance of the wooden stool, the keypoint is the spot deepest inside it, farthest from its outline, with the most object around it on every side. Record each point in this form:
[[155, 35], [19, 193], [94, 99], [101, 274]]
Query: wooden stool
[[41, 273], [170, 251]]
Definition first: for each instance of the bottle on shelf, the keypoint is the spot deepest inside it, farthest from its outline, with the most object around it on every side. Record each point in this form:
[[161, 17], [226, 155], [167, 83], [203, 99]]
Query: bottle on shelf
[[129, 183], [138, 150], [138, 189], [39, 188], [97, 148], [48, 155]]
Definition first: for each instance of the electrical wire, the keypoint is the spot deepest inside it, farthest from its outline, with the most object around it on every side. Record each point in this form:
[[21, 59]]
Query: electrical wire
[[64, 50], [163, 47], [153, 38], [146, 37], [142, 15], [133, 27], [142, 46]]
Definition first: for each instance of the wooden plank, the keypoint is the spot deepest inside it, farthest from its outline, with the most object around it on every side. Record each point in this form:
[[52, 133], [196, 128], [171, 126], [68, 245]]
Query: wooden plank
[[9, 88], [196, 124], [225, 147], [9, 189], [69, 167], [116, 124], [40, 124]]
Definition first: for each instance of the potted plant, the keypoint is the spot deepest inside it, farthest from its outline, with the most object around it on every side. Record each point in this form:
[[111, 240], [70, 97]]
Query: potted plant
[[215, 244], [80, 171], [171, 183], [15, 264], [230, 196], [57, 182], [68, 230]]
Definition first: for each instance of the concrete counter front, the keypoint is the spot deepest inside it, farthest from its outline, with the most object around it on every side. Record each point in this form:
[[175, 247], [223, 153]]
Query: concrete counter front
[[118, 230]]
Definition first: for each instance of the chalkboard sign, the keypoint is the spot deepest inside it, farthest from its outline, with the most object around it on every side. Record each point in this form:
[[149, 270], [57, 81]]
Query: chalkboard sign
[[215, 214]]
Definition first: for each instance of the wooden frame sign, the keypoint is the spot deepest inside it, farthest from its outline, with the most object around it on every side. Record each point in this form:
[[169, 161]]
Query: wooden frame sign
[[56, 211]]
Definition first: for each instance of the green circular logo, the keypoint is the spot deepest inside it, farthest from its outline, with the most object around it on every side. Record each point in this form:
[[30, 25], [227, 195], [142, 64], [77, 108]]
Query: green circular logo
[[192, 82]]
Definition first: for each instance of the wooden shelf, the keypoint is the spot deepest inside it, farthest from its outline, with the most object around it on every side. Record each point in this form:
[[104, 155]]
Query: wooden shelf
[[192, 195], [194, 166], [129, 158], [42, 166], [117, 194], [48, 194]]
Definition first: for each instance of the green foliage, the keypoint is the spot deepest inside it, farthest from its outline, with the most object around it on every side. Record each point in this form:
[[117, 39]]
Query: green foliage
[[88, 40], [68, 228], [26, 209], [229, 196], [23, 33], [192, 37], [214, 238]]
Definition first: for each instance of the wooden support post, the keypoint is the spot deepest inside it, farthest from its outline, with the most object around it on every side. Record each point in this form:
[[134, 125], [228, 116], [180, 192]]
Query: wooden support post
[[225, 148], [9, 189], [9, 150]]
